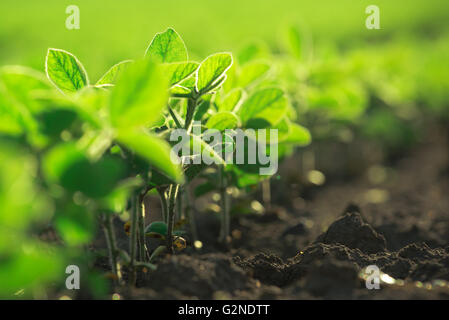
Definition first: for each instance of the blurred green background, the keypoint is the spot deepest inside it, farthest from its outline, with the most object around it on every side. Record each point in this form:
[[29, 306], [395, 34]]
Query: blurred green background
[[115, 30]]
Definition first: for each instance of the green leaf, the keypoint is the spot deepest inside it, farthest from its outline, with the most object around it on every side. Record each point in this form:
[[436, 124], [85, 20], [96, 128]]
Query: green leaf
[[139, 96], [204, 188], [207, 151], [298, 135], [212, 70], [252, 72], [168, 47], [180, 90], [223, 120], [284, 129], [71, 168], [111, 77], [17, 85], [252, 51], [178, 71], [294, 42], [269, 104], [158, 227], [75, 224], [65, 71], [155, 150], [232, 100]]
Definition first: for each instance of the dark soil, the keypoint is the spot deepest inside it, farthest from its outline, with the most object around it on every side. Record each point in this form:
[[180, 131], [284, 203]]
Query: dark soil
[[315, 243]]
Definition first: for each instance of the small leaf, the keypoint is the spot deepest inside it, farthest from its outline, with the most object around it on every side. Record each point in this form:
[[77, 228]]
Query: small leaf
[[180, 90], [212, 70], [222, 121], [139, 96], [269, 104], [65, 71], [112, 75], [75, 224], [166, 47], [158, 227], [178, 71], [298, 135], [256, 50], [231, 101], [251, 72], [294, 42], [155, 150], [70, 167]]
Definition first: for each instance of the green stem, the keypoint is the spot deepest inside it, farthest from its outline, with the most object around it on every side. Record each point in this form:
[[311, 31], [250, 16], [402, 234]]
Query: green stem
[[189, 213], [133, 239], [191, 105], [172, 194], [164, 206], [179, 204], [225, 218], [142, 244], [175, 118], [108, 229]]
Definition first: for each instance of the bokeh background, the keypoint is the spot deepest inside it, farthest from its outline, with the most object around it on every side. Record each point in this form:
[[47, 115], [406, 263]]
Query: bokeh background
[[115, 30]]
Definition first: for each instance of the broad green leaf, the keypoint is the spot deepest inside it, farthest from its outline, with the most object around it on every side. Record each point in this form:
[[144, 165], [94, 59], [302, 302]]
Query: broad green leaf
[[17, 106], [223, 120], [252, 51], [21, 84], [54, 121], [139, 96], [269, 104], [65, 71], [75, 224], [252, 72], [180, 90], [29, 268], [284, 129], [167, 47], [298, 135], [212, 70], [155, 150], [69, 167], [111, 77], [231, 101], [178, 71], [294, 42]]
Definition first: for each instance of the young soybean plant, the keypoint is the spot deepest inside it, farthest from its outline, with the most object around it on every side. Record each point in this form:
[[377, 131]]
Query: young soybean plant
[[250, 100], [117, 123], [191, 87]]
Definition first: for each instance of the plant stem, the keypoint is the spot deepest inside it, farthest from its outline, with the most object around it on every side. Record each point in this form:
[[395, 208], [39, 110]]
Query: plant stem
[[175, 118], [133, 239], [189, 213], [172, 194], [191, 105], [266, 193], [225, 218], [142, 244], [164, 206], [108, 229], [179, 204]]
